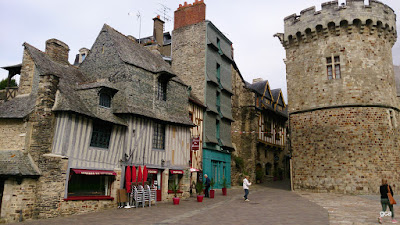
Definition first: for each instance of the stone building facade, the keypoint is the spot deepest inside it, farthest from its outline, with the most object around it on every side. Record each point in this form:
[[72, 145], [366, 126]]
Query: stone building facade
[[343, 106], [259, 131], [202, 57], [74, 130]]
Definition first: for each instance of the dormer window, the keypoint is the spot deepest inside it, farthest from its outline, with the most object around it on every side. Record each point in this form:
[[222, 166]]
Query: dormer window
[[105, 100]]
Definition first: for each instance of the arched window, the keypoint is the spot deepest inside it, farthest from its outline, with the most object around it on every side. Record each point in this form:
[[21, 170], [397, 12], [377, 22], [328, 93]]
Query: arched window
[[105, 100]]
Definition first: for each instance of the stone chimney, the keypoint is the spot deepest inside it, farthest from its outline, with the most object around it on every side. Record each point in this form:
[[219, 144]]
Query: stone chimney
[[189, 14], [158, 31], [257, 80], [57, 50]]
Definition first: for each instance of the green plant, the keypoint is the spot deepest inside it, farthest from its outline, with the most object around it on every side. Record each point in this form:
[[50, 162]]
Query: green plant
[[224, 184], [275, 173], [212, 183], [3, 83], [239, 162], [175, 188], [199, 188], [259, 175]]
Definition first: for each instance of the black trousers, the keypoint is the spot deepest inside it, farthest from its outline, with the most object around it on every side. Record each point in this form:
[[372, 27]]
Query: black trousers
[[206, 194]]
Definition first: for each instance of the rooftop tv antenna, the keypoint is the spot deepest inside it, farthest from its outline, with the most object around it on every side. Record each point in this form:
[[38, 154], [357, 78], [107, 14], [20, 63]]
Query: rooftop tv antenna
[[164, 11], [139, 17]]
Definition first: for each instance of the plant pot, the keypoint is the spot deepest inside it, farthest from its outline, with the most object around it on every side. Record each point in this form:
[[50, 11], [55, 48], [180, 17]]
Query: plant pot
[[200, 198], [176, 201], [223, 191], [212, 192]]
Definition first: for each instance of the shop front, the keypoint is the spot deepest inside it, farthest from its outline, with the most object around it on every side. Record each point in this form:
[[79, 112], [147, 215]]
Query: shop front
[[217, 165]]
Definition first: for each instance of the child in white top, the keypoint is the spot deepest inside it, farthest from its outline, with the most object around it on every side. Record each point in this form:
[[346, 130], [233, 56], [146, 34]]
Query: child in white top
[[246, 185]]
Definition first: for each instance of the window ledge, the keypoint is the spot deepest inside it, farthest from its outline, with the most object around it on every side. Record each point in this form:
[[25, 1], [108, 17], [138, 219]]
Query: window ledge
[[88, 198]]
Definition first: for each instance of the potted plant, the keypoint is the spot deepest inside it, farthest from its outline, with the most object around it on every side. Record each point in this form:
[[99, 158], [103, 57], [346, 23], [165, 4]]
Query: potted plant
[[224, 186], [212, 191], [275, 174], [259, 176], [175, 188], [199, 190]]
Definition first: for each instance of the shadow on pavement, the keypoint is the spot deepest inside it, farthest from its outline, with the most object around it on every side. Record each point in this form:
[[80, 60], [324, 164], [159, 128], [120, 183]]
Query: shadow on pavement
[[280, 184]]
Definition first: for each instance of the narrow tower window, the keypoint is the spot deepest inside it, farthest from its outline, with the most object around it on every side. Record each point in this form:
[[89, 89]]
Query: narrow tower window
[[333, 67]]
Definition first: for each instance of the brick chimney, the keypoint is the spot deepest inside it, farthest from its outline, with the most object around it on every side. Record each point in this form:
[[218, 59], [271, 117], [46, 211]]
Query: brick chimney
[[189, 14], [57, 50], [158, 31]]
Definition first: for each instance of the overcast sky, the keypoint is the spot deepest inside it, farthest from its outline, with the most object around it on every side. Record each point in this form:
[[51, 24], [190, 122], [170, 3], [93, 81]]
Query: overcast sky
[[250, 25]]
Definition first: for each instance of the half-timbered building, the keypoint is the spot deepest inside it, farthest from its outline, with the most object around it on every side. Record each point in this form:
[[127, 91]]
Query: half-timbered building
[[259, 131], [69, 133]]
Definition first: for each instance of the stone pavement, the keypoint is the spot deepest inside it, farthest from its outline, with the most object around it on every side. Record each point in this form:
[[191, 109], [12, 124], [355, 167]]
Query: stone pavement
[[350, 209], [268, 205]]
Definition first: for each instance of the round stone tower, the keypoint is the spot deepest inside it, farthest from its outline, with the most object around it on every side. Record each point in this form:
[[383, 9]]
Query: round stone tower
[[342, 96]]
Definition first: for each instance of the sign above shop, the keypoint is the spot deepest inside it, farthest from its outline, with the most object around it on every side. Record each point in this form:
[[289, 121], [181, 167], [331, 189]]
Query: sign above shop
[[94, 172], [195, 143], [152, 171], [176, 171]]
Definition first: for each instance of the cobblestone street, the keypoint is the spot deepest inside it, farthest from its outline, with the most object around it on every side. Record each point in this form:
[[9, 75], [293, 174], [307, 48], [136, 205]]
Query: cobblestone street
[[270, 204]]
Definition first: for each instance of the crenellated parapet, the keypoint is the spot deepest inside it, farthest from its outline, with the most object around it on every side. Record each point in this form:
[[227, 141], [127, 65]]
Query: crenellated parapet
[[375, 18]]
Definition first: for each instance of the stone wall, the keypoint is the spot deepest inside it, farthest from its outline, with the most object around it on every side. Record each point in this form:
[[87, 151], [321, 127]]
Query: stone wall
[[344, 130], [80, 207], [57, 51], [27, 74], [18, 200], [245, 120], [366, 72], [188, 53], [12, 134], [345, 150]]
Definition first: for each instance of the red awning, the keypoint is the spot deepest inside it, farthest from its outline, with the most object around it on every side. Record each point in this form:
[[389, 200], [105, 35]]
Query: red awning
[[152, 171], [194, 169], [176, 171], [94, 172]]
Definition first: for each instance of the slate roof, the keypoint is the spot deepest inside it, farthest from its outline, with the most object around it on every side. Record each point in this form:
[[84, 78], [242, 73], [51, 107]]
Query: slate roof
[[196, 100], [17, 163], [74, 86], [132, 53], [18, 107], [136, 55], [258, 87], [69, 99], [275, 93]]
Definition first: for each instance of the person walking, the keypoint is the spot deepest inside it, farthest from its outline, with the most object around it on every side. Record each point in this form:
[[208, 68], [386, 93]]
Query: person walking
[[246, 185], [384, 189], [207, 184]]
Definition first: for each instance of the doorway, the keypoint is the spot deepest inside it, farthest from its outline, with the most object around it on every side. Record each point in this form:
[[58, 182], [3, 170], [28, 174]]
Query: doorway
[[1, 192]]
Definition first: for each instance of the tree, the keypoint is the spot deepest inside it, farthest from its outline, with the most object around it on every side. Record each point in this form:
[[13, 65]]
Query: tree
[[3, 83]]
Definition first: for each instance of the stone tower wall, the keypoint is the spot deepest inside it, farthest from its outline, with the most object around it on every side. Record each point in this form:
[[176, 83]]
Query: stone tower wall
[[343, 130], [189, 56]]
